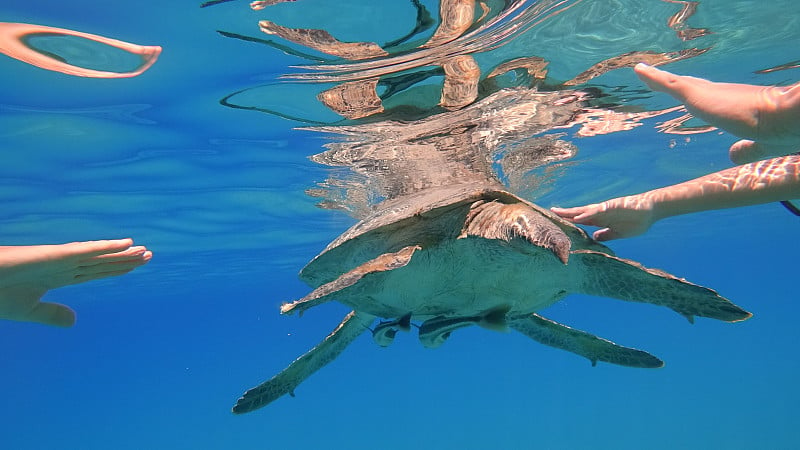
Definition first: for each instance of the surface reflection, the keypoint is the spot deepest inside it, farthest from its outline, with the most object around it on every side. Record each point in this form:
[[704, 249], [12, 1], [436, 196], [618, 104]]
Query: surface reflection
[[390, 159]]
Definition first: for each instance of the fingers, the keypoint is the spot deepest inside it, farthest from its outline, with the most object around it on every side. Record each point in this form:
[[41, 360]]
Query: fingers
[[661, 80], [567, 213], [113, 266], [697, 94], [90, 249], [584, 215], [130, 253], [51, 314]]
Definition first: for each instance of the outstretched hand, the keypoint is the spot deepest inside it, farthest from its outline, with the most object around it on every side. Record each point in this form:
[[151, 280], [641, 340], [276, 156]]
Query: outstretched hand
[[28, 272], [617, 218]]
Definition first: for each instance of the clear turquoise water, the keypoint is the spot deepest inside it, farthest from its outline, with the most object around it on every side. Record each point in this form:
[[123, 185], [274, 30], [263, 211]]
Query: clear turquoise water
[[159, 356]]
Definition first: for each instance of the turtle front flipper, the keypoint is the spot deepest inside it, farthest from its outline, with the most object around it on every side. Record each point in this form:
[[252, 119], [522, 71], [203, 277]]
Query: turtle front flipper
[[560, 336], [496, 220], [610, 276], [384, 262], [289, 378]]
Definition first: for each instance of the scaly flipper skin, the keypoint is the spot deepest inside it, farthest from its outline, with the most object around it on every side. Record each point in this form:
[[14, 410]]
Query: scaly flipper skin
[[560, 336], [495, 220], [610, 276], [384, 262], [289, 378]]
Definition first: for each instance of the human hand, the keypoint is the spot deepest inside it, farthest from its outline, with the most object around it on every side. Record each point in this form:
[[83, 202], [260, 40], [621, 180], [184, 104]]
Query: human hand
[[28, 272], [617, 218]]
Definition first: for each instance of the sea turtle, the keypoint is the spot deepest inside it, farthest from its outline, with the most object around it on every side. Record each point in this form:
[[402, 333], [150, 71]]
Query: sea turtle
[[474, 254]]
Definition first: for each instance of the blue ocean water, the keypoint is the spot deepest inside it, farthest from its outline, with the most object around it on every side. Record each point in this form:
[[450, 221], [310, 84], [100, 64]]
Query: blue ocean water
[[159, 356]]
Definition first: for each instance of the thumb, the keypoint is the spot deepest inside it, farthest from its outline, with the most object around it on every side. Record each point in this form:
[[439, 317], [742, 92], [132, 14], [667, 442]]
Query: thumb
[[746, 151], [605, 234]]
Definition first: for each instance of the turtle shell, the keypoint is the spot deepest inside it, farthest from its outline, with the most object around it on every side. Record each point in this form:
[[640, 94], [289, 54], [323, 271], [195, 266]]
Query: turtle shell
[[424, 218]]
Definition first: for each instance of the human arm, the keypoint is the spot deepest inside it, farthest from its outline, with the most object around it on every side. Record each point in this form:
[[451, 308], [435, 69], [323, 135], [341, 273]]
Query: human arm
[[766, 117], [749, 184]]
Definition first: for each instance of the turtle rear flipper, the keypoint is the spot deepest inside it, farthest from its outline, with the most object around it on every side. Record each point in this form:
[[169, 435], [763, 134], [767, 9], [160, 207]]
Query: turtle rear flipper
[[610, 276], [554, 334], [384, 262], [289, 378]]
